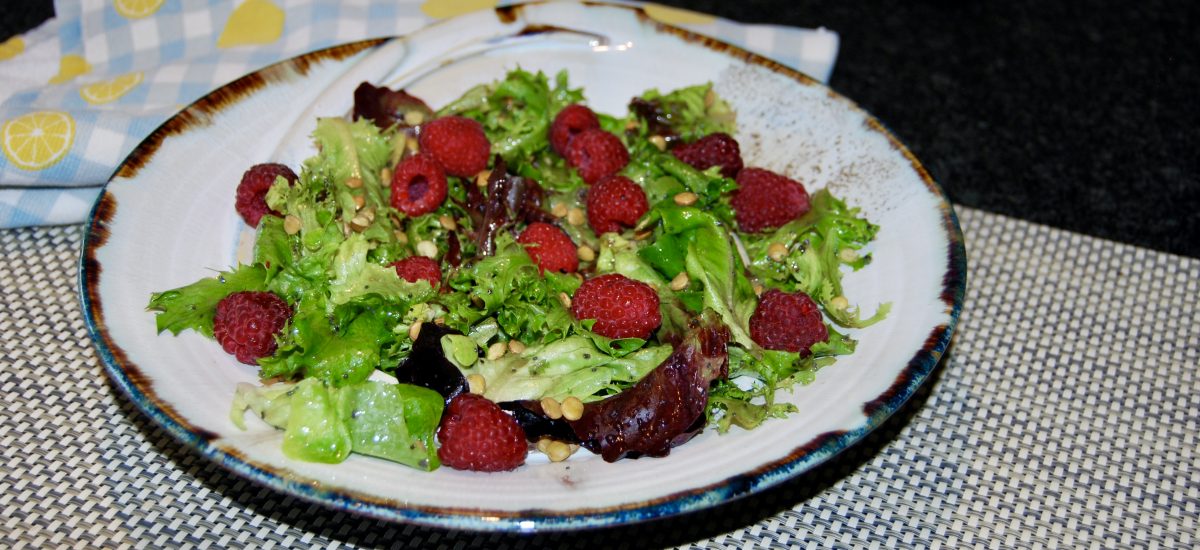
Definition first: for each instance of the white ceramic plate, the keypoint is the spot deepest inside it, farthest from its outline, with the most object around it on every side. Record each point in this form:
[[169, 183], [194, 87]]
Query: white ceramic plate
[[167, 218]]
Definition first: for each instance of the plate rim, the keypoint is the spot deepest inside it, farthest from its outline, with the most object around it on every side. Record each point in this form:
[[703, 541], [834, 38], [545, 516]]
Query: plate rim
[[802, 458]]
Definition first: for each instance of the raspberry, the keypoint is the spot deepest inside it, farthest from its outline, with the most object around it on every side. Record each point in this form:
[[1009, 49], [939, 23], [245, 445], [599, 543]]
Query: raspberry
[[766, 200], [550, 248], [569, 122], [789, 322], [719, 149], [418, 268], [596, 154], [418, 186], [251, 200], [622, 307], [246, 323], [615, 202], [458, 143], [477, 434]]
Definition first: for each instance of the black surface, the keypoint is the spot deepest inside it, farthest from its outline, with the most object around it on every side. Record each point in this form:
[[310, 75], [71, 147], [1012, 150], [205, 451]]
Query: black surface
[[1080, 115]]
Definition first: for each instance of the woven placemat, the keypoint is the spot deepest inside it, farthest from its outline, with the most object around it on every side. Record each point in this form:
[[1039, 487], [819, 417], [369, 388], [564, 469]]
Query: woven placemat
[[1065, 415]]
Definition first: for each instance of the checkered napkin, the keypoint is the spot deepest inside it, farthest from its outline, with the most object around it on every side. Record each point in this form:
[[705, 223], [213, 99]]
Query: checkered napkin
[[80, 92]]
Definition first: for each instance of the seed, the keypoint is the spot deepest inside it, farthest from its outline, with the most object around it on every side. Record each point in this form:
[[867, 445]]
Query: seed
[[447, 222], [559, 210], [291, 224], [360, 223], [427, 249], [412, 144], [496, 351], [575, 216], [586, 253], [551, 407], [369, 213], [481, 179], [658, 141], [572, 408], [566, 300], [515, 346], [385, 175], [401, 237], [686, 198], [558, 451], [414, 331], [413, 118], [839, 303], [354, 182], [543, 444], [359, 201], [847, 255], [642, 235], [680, 281], [777, 251], [758, 289], [440, 321], [476, 383], [631, 124]]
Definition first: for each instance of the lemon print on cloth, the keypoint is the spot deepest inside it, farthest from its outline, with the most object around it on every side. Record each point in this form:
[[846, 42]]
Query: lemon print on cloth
[[137, 9], [677, 16], [11, 48], [110, 90], [36, 140], [450, 8], [253, 22], [70, 66]]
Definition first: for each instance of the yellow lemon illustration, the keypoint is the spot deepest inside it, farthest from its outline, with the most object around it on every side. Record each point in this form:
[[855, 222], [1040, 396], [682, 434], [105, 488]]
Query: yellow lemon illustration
[[70, 66], [677, 16], [11, 48], [253, 22], [36, 140], [450, 8], [137, 9], [110, 90]]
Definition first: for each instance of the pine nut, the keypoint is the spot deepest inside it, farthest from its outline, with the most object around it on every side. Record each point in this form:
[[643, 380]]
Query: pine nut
[[839, 303], [447, 222], [847, 255], [758, 289], [686, 198], [566, 300], [413, 118], [777, 251], [558, 451], [586, 253], [359, 201], [680, 281], [572, 408], [414, 331], [481, 179], [496, 351], [291, 225], [385, 175], [552, 408], [427, 249], [401, 237], [576, 216], [543, 444], [354, 182], [476, 384], [516, 346], [658, 141]]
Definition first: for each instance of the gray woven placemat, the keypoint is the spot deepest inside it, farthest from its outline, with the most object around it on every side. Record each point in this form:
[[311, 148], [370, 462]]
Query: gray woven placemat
[[1065, 415]]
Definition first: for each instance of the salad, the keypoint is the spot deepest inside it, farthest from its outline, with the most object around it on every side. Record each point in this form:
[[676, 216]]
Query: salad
[[514, 272]]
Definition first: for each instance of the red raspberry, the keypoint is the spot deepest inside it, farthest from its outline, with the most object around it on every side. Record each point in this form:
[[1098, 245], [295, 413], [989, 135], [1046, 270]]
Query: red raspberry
[[789, 322], [251, 200], [477, 434], [569, 122], [615, 202], [622, 307], [418, 185], [417, 268], [719, 149], [458, 143], [246, 323], [550, 248], [597, 154], [766, 200]]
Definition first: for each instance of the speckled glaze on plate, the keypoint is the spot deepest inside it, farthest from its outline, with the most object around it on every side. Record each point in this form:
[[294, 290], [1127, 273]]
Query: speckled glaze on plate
[[166, 218]]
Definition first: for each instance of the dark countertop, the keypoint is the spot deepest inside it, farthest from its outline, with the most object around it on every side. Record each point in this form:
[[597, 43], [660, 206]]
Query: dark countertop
[[1080, 115]]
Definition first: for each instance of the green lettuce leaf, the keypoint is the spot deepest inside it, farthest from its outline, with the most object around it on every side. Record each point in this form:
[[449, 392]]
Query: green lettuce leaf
[[315, 432], [193, 306], [397, 422]]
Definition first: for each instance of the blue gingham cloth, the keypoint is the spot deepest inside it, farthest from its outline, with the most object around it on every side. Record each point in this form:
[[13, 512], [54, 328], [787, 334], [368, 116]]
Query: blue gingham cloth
[[78, 93]]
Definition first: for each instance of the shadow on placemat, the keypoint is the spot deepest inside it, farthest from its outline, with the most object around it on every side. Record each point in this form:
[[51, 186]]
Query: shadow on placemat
[[320, 522]]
